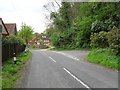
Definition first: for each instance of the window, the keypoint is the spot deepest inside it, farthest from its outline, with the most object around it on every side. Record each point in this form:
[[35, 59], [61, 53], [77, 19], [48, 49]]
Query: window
[[45, 44], [43, 36], [46, 40]]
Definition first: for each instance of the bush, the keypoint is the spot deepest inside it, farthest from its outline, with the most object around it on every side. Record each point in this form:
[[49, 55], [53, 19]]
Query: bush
[[55, 40], [10, 72], [33, 46], [114, 40], [104, 57], [99, 40], [11, 44], [11, 39]]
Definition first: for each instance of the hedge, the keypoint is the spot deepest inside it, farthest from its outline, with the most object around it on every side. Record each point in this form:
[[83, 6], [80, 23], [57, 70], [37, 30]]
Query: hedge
[[11, 44], [107, 40]]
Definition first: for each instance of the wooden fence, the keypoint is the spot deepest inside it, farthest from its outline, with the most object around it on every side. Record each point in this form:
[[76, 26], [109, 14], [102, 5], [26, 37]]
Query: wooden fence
[[9, 49]]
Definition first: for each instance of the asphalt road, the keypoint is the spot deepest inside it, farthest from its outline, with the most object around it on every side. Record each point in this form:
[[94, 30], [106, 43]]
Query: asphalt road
[[65, 69]]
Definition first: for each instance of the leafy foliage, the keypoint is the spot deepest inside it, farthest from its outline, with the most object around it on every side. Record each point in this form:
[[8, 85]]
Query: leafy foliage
[[83, 25], [104, 57], [26, 33], [11, 39], [99, 40], [40, 41], [114, 39], [10, 71]]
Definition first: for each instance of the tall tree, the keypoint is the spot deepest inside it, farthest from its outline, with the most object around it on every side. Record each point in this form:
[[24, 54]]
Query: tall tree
[[26, 33], [74, 23]]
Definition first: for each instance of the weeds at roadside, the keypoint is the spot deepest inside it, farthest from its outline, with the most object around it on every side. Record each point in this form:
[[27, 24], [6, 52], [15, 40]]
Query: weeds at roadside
[[104, 57], [61, 49], [10, 70]]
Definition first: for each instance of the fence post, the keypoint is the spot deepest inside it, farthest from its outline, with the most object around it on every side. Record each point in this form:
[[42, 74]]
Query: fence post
[[14, 57]]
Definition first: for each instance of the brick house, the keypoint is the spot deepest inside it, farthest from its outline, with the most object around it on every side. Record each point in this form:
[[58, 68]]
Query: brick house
[[33, 41], [11, 27], [44, 38]]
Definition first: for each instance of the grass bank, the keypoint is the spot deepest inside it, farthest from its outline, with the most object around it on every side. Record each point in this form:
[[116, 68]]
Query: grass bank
[[61, 49], [105, 57], [0, 82], [10, 71], [39, 48], [35, 48]]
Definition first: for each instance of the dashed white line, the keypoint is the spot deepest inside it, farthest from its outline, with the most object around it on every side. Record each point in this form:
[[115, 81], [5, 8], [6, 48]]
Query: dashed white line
[[52, 59], [49, 57], [77, 78]]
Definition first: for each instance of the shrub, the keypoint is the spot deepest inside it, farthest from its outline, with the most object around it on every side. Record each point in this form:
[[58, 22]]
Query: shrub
[[55, 38], [114, 40], [11, 39], [104, 57], [10, 68], [99, 40], [10, 72], [33, 46], [11, 44]]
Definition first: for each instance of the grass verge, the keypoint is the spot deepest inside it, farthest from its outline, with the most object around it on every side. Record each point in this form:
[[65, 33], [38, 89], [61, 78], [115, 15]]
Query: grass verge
[[105, 57], [35, 48], [61, 49], [39, 48], [10, 71], [0, 82]]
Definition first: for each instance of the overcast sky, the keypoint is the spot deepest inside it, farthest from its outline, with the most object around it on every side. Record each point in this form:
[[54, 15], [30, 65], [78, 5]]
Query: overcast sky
[[27, 11]]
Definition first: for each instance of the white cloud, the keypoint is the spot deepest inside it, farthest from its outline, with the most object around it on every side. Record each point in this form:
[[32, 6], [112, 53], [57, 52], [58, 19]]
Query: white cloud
[[28, 11]]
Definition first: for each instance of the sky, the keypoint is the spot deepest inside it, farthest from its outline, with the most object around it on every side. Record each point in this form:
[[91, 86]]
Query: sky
[[30, 12]]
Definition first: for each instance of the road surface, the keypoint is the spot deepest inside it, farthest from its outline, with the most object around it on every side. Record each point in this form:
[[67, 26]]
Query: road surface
[[65, 69]]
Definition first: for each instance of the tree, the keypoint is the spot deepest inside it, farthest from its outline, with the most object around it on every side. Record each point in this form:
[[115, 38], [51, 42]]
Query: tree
[[49, 31], [74, 23], [40, 41], [26, 33]]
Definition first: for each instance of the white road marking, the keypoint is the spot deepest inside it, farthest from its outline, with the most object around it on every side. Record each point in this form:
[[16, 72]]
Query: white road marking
[[77, 78], [67, 55], [52, 59], [48, 56]]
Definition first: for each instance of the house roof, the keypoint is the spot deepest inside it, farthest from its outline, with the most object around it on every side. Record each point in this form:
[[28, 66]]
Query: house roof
[[6, 31], [11, 27]]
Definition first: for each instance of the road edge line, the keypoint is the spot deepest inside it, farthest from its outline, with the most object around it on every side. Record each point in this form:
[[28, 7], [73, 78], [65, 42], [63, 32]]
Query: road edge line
[[76, 78]]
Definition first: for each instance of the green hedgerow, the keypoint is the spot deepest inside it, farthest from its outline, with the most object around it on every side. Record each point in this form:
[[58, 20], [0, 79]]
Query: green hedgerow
[[106, 57], [12, 39]]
